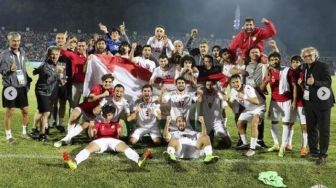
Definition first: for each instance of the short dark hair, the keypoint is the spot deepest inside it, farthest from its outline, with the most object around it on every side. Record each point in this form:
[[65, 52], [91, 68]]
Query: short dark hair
[[296, 58], [187, 58], [160, 26], [108, 108], [146, 46], [249, 19], [147, 86], [274, 54], [119, 85], [100, 40], [107, 76], [215, 46], [82, 40], [180, 78], [209, 56], [116, 30], [235, 76], [163, 56]]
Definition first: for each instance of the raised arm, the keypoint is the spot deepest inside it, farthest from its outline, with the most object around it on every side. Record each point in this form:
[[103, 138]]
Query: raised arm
[[203, 127], [166, 135]]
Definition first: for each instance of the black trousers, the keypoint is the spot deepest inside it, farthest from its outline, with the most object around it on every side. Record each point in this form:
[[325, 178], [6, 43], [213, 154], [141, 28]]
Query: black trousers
[[318, 128]]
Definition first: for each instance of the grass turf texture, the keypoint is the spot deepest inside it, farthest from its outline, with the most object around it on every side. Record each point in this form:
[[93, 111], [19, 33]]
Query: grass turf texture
[[34, 164]]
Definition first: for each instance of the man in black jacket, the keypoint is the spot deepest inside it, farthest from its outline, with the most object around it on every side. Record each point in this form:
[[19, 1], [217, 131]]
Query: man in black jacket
[[319, 100]]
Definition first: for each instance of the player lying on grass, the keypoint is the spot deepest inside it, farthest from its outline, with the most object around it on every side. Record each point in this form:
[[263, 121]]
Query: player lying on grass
[[187, 144], [105, 134]]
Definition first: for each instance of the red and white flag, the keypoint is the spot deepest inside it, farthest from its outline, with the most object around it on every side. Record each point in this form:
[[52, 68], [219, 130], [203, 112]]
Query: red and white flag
[[126, 73]]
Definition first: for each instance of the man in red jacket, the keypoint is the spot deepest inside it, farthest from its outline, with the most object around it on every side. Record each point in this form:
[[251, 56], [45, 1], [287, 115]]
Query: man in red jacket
[[252, 36]]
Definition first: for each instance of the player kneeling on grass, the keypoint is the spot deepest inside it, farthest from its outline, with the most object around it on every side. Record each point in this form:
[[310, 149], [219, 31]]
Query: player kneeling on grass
[[254, 111], [187, 144], [147, 112], [212, 102], [106, 135]]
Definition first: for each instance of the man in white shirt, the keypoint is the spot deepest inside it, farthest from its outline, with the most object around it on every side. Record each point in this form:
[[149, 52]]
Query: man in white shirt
[[187, 144], [160, 41], [180, 100], [147, 113], [144, 60], [254, 111]]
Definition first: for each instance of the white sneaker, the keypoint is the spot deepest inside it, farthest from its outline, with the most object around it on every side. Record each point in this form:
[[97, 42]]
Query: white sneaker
[[250, 153], [61, 143]]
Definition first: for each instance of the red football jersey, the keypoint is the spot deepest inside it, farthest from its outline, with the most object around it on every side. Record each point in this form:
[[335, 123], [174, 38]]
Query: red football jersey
[[274, 83], [297, 74], [89, 106], [107, 129]]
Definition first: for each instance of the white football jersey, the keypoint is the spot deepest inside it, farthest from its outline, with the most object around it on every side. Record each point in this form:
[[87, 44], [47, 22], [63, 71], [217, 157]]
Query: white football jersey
[[146, 116], [121, 106], [250, 92], [157, 47], [145, 63], [186, 134], [180, 103]]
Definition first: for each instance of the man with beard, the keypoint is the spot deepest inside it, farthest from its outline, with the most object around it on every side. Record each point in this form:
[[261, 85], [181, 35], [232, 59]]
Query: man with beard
[[147, 113], [180, 100], [212, 103], [252, 36], [187, 144], [144, 61], [163, 74], [281, 100]]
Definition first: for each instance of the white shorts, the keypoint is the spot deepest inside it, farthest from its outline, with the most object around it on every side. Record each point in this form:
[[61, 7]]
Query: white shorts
[[280, 109], [188, 149], [247, 115], [107, 144], [299, 113], [154, 132]]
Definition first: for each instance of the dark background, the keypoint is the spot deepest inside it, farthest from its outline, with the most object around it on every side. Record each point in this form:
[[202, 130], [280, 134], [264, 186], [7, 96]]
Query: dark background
[[300, 23]]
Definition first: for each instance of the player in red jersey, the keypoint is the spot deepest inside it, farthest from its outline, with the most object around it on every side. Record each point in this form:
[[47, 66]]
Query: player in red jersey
[[299, 110], [281, 101], [105, 134], [96, 97]]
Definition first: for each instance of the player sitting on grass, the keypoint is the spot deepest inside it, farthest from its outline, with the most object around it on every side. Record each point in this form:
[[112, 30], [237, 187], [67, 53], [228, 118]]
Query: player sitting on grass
[[187, 144], [105, 134]]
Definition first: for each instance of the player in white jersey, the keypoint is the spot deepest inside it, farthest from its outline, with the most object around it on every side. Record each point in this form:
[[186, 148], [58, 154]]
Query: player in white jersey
[[164, 74], [160, 41], [118, 101], [147, 113], [254, 111], [180, 100], [187, 144], [144, 61], [212, 104]]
